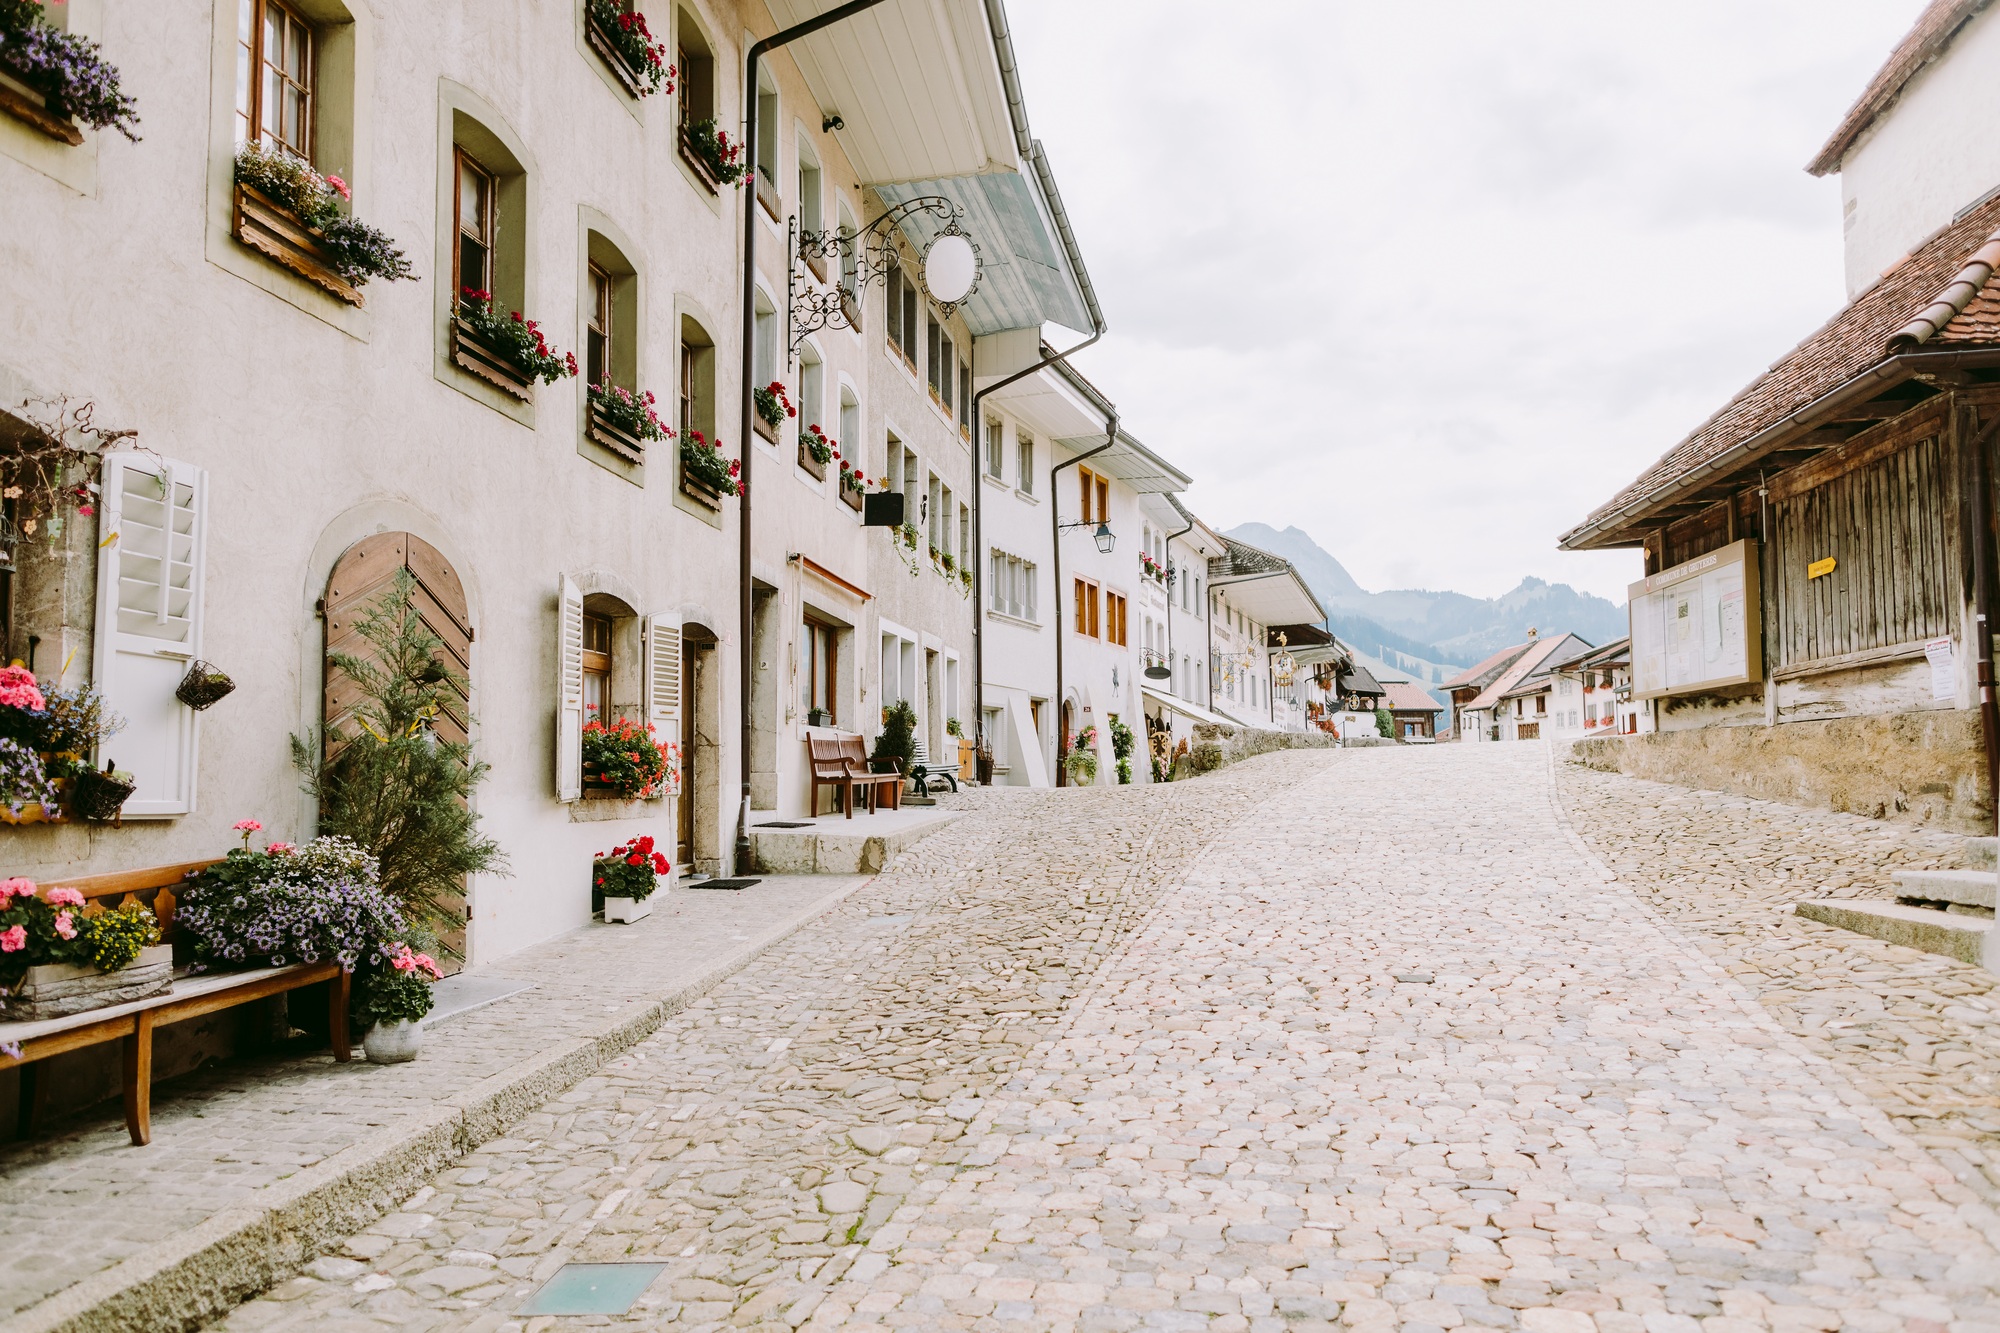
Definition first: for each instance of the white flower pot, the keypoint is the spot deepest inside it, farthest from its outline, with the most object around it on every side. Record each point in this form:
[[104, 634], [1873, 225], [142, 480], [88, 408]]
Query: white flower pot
[[627, 910], [393, 1043]]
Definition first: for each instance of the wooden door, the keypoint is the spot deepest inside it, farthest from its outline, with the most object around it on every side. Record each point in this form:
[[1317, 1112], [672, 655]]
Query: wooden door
[[684, 811], [360, 579]]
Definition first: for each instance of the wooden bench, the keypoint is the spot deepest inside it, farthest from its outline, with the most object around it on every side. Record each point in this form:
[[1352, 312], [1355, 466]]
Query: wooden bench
[[840, 762], [133, 1023], [880, 784]]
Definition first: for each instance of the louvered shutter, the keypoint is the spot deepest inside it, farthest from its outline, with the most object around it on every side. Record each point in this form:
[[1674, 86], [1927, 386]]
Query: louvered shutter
[[153, 517], [663, 677], [569, 691]]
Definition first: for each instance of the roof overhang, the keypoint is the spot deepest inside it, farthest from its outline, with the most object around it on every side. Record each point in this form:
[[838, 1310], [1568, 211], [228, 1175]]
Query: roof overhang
[[1627, 525], [1180, 705], [1275, 597], [1297, 636], [1132, 463]]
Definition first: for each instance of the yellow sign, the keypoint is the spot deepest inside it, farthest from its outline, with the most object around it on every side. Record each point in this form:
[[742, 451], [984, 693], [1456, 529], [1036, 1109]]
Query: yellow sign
[[1820, 568]]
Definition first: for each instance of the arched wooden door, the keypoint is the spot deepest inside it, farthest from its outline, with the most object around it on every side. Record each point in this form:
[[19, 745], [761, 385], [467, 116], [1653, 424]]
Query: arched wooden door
[[362, 576]]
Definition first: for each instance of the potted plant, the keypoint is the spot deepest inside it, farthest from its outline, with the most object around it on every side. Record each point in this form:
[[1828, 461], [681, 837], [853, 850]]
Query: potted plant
[[288, 212], [773, 406], [852, 485], [627, 45], [56, 961], [965, 581], [55, 730], [99, 794], [716, 160], [624, 422], [319, 902], [816, 450], [626, 877], [507, 352], [1080, 762], [27, 796], [203, 686], [67, 77], [908, 532], [389, 1003], [1122, 740], [816, 717], [622, 758], [706, 475], [896, 746]]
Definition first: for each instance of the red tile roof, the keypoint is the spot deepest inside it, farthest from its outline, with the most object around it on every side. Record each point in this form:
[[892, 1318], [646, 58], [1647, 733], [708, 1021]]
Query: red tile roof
[[1402, 696], [1485, 671], [1948, 281], [1941, 21]]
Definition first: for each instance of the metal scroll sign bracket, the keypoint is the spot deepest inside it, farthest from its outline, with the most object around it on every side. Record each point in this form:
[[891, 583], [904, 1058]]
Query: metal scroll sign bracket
[[872, 251]]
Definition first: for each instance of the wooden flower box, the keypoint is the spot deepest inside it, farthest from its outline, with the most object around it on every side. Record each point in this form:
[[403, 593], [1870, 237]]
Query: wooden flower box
[[29, 107], [277, 233], [809, 463], [627, 446], [34, 812], [701, 492], [468, 353], [764, 428], [850, 497], [699, 163], [600, 42], [57, 990]]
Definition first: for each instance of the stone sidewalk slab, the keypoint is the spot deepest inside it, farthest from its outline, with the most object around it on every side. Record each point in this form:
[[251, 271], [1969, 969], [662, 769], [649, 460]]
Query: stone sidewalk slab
[[259, 1163]]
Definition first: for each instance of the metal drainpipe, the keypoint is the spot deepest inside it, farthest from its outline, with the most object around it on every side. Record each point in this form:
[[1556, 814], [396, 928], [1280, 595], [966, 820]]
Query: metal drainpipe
[[1055, 549], [746, 432], [1170, 605]]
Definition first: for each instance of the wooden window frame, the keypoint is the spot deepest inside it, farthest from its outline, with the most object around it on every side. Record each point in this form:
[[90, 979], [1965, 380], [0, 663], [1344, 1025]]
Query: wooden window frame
[[603, 297], [597, 662], [486, 240], [1088, 623], [1115, 610], [252, 99], [823, 667]]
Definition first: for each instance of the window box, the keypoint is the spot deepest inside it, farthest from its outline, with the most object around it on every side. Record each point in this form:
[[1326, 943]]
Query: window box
[[623, 443], [280, 235], [701, 492], [811, 464], [474, 356], [600, 42], [700, 165], [850, 497], [32, 109], [764, 428]]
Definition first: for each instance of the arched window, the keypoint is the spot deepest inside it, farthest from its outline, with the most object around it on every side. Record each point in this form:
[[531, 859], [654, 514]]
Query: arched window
[[696, 389]]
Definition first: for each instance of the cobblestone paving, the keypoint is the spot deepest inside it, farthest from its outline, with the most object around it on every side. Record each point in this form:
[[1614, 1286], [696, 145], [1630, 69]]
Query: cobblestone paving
[[1359, 1039], [1919, 1034]]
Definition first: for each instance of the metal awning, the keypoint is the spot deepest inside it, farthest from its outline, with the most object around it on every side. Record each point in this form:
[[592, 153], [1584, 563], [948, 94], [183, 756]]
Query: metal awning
[[1179, 705], [1024, 280]]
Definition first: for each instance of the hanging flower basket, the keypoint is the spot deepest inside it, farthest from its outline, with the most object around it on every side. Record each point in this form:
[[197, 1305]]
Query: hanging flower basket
[[203, 685], [100, 795]]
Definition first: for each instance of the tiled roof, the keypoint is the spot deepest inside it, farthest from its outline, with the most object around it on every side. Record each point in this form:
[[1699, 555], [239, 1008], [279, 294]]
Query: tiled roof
[[1948, 281], [1484, 673], [1538, 654], [1242, 558], [1927, 39], [1403, 696]]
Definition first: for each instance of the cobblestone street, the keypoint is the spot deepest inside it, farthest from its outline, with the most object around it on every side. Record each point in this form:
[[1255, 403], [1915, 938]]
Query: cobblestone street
[[1366, 1038]]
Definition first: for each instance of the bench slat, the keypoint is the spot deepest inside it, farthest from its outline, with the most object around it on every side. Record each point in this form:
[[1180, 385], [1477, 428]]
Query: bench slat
[[130, 881]]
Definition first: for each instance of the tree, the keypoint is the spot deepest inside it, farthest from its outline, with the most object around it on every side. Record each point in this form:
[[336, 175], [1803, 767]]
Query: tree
[[394, 785], [1385, 723]]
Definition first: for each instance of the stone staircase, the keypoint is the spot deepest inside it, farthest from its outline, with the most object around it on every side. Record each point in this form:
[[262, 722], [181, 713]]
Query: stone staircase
[[1947, 912]]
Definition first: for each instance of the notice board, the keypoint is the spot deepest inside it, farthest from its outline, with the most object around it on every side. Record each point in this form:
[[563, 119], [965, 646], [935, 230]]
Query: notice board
[[1697, 626]]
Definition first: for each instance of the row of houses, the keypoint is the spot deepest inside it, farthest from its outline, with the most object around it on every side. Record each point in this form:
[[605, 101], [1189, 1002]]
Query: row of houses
[[833, 259], [1815, 619]]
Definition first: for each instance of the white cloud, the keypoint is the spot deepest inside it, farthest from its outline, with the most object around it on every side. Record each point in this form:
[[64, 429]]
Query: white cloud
[[1431, 282]]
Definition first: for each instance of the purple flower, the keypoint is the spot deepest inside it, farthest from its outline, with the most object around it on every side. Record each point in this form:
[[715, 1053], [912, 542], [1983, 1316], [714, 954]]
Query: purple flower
[[67, 69]]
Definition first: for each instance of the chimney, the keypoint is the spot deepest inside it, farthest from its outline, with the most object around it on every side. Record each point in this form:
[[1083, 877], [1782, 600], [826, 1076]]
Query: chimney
[[1531, 631]]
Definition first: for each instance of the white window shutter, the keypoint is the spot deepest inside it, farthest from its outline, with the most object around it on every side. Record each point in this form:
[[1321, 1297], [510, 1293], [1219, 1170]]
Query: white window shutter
[[569, 691], [663, 677], [153, 515]]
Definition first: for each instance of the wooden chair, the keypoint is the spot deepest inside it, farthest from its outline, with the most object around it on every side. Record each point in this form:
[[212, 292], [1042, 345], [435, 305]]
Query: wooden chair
[[133, 1023]]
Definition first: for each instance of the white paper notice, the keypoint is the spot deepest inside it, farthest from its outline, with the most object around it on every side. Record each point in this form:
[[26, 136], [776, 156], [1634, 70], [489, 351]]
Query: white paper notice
[[1944, 671]]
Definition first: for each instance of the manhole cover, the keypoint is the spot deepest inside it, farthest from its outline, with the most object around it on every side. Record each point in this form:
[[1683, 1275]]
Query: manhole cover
[[723, 884], [592, 1289]]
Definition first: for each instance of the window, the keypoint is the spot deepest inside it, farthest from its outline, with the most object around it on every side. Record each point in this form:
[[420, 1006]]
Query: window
[[964, 537], [934, 510], [1114, 619], [996, 441], [596, 667], [819, 644], [767, 136], [1026, 451], [696, 389], [965, 399], [274, 77], [697, 67], [765, 351], [810, 202], [937, 349], [850, 426], [850, 263], [1013, 590], [473, 200], [597, 335], [903, 315], [812, 391], [1086, 608], [1096, 492]]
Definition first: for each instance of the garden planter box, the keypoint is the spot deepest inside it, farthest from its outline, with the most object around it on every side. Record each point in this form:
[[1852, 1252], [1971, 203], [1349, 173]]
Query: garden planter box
[[34, 812], [696, 489], [850, 497], [629, 447], [277, 233], [57, 990], [600, 42], [470, 354], [700, 164], [764, 428], [29, 107], [624, 911], [809, 463]]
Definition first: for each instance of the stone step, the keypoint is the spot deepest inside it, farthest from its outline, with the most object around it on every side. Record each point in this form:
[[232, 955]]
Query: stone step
[[1982, 853], [1970, 888], [1954, 936]]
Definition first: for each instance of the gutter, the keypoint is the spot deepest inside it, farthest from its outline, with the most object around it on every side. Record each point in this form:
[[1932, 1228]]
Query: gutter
[[1882, 375], [1031, 150]]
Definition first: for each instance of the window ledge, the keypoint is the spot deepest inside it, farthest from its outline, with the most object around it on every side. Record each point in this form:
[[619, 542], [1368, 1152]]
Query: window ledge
[[1026, 497], [594, 809], [1006, 619]]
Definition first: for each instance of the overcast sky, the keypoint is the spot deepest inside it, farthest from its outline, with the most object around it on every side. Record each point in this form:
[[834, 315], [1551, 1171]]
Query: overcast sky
[[1433, 281]]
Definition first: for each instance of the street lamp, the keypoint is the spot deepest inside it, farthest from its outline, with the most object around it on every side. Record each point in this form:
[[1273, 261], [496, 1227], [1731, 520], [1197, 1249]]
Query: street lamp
[[1101, 533]]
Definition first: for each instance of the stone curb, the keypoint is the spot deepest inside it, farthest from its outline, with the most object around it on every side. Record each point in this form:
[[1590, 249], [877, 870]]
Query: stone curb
[[204, 1272]]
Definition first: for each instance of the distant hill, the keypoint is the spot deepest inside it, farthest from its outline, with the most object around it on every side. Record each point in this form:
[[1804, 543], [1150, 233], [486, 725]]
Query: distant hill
[[1446, 628]]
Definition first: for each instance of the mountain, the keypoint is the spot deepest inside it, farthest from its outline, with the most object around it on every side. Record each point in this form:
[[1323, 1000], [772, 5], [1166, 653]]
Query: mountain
[[1446, 628]]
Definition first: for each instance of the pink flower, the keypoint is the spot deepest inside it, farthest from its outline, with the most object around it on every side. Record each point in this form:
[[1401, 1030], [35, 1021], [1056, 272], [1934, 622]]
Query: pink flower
[[339, 187], [16, 888], [65, 898], [13, 939], [86, 510], [247, 826], [281, 849], [17, 689], [65, 925]]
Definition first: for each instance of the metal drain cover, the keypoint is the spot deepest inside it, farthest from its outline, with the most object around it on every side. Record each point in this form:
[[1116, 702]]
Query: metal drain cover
[[724, 884], [592, 1289], [785, 823]]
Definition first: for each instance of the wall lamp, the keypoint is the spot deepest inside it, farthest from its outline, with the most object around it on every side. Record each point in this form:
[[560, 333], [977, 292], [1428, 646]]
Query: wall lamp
[[1103, 536]]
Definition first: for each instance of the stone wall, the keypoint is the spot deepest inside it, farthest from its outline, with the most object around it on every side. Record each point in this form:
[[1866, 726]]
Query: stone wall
[[1915, 768], [1217, 746]]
